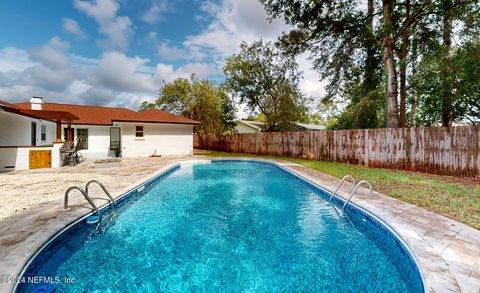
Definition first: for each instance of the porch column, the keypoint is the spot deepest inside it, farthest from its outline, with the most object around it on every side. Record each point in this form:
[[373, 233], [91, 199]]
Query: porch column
[[59, 130], [69, 131]]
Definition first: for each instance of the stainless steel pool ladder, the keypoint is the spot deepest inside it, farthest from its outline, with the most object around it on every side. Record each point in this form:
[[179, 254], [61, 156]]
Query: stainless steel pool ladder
[[65, 204], [355, 189], [87, 196], [104, 190], [341, 183]]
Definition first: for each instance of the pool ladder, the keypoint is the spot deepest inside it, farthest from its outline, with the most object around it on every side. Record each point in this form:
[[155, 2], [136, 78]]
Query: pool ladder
[[354, 189], [110, 198], [84, 192]]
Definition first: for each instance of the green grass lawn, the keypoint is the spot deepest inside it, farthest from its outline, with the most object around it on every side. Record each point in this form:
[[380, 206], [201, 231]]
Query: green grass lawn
[[456, 198]]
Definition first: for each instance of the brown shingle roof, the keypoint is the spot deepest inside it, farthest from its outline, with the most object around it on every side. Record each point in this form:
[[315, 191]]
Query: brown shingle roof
[[8, 105], [95, 115], [40, 114]]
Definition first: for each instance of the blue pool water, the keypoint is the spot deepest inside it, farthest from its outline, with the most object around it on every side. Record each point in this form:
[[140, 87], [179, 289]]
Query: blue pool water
[[229, 226]]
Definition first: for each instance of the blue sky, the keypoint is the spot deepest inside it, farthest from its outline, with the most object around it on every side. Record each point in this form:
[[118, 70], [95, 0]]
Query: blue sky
[[119, 52]]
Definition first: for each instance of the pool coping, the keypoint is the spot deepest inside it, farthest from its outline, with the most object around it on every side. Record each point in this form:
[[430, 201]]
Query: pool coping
[[437, 276]]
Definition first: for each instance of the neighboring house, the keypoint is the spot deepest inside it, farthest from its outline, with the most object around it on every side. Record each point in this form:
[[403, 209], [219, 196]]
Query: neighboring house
[[40, 126], [308, 127], [246, 126]]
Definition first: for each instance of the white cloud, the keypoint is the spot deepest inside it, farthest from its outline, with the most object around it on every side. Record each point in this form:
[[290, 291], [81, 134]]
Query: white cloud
[[210, 7], [97, 96], [115, 79], [117, 29], [166, 72], [234, 21], [132, 101], [14, 59], [152, 35], [201, 70], [168, 52], [310, 84], [72, 27], [118, 71], [155, 13], [52, 54], [48, 79]]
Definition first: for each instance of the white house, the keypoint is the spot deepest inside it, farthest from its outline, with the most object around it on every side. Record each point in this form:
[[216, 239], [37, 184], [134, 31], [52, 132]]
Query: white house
[[247, 126], [31, 133]]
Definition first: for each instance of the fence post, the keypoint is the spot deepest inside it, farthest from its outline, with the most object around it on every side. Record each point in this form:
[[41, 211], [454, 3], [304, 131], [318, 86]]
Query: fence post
[[366, 147]]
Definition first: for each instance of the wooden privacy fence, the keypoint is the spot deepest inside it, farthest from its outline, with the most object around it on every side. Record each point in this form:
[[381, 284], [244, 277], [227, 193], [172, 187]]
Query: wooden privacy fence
[[439, 150]]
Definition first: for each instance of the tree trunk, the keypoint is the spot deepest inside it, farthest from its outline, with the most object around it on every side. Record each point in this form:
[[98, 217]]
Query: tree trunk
[[447, 26], [392, 103], [389, 62], [403, 68], [403, 92], [370, 82], [447, 112], [413, 110]]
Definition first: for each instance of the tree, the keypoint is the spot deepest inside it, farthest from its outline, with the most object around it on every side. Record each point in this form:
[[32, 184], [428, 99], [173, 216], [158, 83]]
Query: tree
[[145, 106], [266, 81], [448, 12], [431, 37], [338, 34], [341, 38], [449, 87], [199, 100], [344, 51], [365, 111], [432, 48]]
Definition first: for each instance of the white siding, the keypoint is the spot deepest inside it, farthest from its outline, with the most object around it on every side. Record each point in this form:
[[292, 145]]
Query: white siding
[[242, 128], [19, 158], [15, 130], [8, 158], [164, 139], [159, 139], [98, 140]]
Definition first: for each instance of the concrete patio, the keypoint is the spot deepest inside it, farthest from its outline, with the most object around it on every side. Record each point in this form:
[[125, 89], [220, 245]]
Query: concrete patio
[[448, 252]]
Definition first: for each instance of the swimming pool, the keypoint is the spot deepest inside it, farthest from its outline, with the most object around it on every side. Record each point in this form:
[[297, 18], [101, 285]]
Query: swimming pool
[[228, 226]]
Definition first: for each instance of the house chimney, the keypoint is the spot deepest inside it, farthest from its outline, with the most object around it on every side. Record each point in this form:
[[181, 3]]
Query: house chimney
[[36, 103]]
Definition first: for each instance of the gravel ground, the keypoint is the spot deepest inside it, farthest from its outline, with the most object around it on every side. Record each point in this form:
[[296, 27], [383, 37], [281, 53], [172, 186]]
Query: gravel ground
[[21, 191]]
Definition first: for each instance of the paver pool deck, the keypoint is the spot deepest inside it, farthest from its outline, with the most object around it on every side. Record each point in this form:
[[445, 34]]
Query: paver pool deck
[[448, 252]]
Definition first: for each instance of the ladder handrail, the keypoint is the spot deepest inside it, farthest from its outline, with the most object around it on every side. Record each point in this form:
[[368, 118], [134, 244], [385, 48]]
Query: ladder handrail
[[340, 185], [104, 189], [65, 205], [355, 189]]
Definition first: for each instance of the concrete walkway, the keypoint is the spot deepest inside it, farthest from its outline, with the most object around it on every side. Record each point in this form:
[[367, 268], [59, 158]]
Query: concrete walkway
[[448, 252]]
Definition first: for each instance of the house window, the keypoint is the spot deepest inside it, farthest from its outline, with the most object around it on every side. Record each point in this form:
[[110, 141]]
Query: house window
[[82, 136], [138, 131], [43, 132]]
